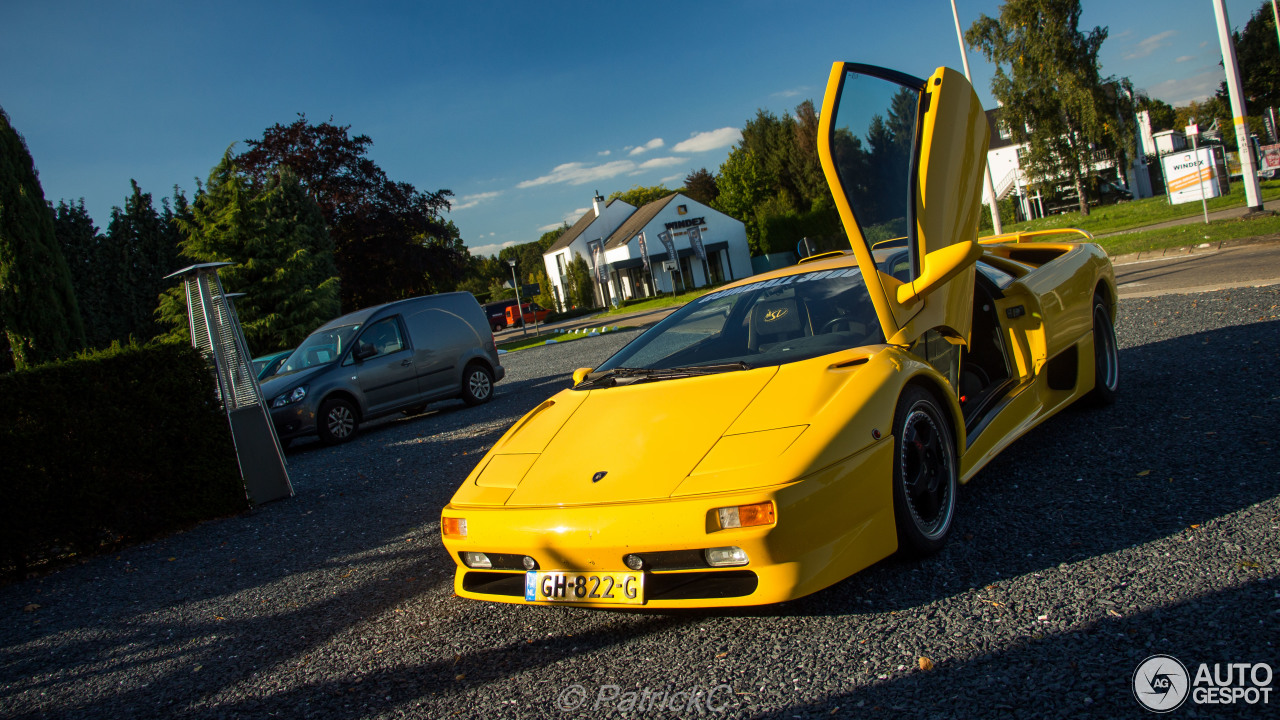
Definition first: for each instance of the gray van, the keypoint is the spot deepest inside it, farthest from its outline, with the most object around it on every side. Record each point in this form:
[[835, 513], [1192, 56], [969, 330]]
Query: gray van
[[391, 358]]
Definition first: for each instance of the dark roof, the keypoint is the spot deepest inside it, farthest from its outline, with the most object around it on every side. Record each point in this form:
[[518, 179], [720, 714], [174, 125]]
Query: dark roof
[[578, 228], [636, 223], [993, 123]]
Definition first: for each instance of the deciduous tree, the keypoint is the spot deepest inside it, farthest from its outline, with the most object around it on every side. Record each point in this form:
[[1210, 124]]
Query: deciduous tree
[[640, 195], [391, 240], [1054, 97]]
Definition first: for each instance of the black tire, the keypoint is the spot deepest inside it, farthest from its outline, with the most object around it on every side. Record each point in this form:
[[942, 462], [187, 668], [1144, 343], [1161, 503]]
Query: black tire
[[337, 422], [498, 327], [925, 473], [1106, 356], [477, 384]]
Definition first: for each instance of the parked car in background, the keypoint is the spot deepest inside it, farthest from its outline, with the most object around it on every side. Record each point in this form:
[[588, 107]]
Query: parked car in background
[[391, 358], [497, 313], [267, 365], [1066, 199], [528, 313]]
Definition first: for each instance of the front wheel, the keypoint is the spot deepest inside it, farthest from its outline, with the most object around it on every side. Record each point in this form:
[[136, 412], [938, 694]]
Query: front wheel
[[338, 421], [925, 474], [1106, 356], [477, 385]]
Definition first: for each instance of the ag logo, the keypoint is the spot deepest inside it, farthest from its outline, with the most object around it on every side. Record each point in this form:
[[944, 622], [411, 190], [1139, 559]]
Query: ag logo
[[599, 476], [1160, 683], [775, 314]]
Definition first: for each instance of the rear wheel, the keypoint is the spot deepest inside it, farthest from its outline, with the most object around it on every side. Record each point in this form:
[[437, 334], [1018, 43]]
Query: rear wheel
[[477, 384], [925, 474], [1106, 355], [338, 421]]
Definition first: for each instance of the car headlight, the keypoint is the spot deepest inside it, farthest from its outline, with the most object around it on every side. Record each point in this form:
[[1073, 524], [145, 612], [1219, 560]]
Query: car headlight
[[290, 397]]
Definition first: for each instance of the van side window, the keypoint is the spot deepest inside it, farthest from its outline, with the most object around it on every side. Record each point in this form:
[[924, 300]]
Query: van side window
[[384, 336]]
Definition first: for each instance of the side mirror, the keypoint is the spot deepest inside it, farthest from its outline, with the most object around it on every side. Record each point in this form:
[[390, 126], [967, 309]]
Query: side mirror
[[581, 374], [365, 351], [939, 267]]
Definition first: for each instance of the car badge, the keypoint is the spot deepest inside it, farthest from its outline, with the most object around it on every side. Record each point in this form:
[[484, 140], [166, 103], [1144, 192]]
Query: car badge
[[771, 315], [599, 476]]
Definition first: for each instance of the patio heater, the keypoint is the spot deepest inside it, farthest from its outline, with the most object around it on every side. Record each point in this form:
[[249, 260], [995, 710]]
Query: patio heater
[[215, 332]]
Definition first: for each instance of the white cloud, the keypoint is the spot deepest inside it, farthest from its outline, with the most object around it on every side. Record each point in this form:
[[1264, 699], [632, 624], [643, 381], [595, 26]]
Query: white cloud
[[1185, 58], [605, 153], [794, 92], [470, 201], [1180, 91], [710, 140], [672, 179], [577, 173], [1150, 45], [653, 144], [660, 162], [492, 249]]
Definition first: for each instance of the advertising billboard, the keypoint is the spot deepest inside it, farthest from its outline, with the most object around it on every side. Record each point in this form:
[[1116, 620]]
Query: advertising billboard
[[1190, 176]]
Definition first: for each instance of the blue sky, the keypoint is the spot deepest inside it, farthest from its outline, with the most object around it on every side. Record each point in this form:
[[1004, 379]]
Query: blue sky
[[522, 109]]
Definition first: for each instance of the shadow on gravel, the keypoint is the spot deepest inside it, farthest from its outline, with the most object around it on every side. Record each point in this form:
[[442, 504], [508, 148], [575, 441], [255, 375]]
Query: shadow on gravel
[[1085, 673], [1191, 438]]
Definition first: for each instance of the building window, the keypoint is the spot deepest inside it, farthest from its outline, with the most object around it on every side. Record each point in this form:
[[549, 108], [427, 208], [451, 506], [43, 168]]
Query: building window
[[1003, 128]]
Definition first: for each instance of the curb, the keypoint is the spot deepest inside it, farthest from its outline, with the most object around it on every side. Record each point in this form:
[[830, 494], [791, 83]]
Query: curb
[[1192, 249]]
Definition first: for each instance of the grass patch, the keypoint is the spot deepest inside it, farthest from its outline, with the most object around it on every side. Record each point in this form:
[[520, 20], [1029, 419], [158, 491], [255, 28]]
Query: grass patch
[[1140, 213], [537, 341], [1190, 234], [662, 301]]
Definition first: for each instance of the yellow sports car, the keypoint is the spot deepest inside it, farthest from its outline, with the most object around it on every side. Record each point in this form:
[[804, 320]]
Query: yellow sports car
[[783, 432]]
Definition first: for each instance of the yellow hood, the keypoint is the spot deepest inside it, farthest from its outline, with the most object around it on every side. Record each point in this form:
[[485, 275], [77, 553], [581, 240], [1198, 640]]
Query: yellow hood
[[645, 438]]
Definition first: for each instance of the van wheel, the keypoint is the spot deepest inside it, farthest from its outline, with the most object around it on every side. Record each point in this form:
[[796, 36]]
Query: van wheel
[[338, 421], [477, 384], [497, 327]]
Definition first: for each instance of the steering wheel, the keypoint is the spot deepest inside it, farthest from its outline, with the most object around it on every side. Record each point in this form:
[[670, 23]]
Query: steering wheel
[[833, 323]]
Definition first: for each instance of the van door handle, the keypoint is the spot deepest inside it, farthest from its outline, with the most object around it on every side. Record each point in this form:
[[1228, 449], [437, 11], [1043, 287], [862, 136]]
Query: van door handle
[[406, 363]]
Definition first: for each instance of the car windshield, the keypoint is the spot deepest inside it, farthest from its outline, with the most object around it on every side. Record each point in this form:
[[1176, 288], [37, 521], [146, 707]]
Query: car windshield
[[771, 322], [320, 348]]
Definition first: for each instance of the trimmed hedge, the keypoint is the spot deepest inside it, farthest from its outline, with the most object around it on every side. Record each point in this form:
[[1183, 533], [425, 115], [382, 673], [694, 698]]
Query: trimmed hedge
[[111, 447]]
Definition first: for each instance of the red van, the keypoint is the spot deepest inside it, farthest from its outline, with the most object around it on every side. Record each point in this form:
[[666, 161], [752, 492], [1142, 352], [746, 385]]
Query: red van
[[532, 312]]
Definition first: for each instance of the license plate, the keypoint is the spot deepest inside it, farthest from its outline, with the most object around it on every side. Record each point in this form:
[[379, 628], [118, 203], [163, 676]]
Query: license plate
[[623, 588]]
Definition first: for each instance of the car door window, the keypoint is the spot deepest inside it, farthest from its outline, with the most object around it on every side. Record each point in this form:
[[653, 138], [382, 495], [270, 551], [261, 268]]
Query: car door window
[[873, 144], [384, 336]]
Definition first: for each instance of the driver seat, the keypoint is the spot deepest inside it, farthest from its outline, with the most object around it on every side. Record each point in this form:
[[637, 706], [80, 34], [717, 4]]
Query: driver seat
[[775, 321]]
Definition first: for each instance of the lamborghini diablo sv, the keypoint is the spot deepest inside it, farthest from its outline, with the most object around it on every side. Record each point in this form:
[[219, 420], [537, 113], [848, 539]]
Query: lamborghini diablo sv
[[785, 431]]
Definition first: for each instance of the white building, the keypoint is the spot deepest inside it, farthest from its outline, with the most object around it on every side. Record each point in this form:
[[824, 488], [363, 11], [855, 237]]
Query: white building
[[1004, 158], [723, 239], [597, 224]]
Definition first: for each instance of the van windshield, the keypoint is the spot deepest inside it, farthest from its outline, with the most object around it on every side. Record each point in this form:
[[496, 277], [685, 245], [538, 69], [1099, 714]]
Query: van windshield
[[320, 348]]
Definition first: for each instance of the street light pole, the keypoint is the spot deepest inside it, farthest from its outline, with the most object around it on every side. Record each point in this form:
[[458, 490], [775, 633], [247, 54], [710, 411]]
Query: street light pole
[[1252, 193], [515, 283], [989, 189]]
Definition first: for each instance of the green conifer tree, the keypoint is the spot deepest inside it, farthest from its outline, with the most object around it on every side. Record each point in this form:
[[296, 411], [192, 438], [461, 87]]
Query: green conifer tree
[[38, 307], [282, 253]]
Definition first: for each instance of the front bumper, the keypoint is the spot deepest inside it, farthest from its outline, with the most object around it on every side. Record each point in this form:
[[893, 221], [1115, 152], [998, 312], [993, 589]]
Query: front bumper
[[828, 526], [294, 420]]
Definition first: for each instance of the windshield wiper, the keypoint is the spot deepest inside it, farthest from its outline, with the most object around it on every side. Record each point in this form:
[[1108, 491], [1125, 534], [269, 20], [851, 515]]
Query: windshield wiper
[[609, 378]]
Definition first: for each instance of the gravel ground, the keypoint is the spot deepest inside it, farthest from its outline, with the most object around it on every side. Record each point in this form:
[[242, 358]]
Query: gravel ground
[[1100, 538]]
